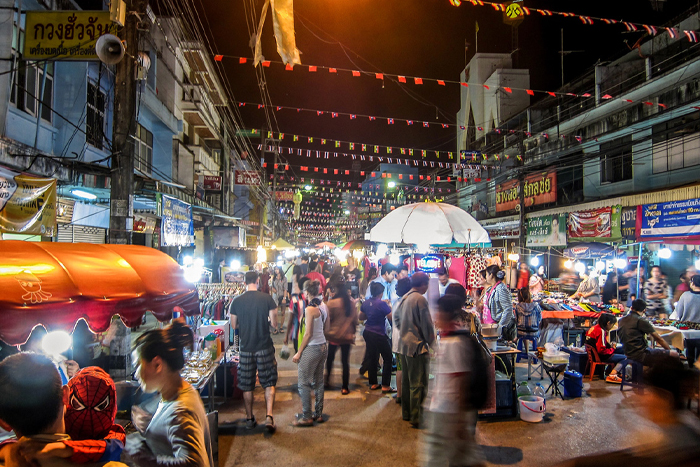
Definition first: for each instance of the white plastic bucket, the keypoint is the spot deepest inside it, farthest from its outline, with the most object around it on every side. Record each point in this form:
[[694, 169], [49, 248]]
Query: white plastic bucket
[[532, 408]]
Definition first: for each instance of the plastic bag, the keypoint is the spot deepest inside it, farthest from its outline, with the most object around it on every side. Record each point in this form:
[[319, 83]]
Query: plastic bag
[[284, 352]]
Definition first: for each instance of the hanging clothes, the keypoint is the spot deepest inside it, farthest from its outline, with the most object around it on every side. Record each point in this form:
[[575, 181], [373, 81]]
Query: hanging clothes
[[476, 264], [458, 270]]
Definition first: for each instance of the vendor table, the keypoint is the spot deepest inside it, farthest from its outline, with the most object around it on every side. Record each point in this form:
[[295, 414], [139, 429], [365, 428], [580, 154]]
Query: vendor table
[[676, 337], [208, 379], [512, 410]]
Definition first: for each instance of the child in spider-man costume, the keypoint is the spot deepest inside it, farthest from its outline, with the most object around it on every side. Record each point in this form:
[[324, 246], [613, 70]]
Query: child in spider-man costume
[[91, 405]]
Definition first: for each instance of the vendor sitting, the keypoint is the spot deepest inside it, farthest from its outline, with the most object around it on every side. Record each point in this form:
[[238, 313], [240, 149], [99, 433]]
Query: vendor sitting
[[633, 330], [599, 338], [589, 288]]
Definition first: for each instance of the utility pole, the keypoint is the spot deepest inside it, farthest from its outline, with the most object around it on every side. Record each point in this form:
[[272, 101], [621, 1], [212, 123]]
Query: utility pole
[[125, 87]]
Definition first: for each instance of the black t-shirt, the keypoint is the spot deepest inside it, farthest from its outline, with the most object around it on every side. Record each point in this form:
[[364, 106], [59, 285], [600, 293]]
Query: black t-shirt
[[633, 330], [252, 309]]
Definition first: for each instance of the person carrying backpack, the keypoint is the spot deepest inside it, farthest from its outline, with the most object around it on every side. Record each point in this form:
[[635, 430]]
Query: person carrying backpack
[[455, 394]]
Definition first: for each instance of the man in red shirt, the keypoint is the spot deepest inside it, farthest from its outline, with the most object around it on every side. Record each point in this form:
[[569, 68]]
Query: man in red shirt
[[314, 275]]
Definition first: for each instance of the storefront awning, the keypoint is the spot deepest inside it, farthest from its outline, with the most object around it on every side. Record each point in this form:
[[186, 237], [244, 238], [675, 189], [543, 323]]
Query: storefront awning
[[56, 284]]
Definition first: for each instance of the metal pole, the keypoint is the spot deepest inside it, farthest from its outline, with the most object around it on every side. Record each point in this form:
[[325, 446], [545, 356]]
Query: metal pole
[[639, 266], [40, 99]]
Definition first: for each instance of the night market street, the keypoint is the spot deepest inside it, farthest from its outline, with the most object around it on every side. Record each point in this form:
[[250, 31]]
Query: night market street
[[365, 428]]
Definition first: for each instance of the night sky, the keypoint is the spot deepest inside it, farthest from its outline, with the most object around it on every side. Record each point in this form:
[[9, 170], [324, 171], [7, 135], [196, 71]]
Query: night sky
[[423, 38]]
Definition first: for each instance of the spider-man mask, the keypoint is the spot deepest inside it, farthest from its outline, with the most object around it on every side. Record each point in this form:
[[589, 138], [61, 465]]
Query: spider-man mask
[[91, 404]]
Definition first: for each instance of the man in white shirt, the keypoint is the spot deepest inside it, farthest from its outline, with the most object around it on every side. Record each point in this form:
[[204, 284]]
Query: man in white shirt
[[445, 280]]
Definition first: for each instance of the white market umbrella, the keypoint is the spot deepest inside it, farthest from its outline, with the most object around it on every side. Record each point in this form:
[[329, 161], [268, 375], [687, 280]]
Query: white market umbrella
[[429, 224]]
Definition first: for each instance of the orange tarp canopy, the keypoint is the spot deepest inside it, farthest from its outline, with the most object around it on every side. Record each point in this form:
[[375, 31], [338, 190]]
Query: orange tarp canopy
[[56, 284]]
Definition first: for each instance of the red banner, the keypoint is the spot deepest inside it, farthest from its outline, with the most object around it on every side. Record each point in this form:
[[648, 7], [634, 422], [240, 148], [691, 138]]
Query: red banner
[[247, 177], [593, 223], [284, 196], [539, 188], [212, 182]]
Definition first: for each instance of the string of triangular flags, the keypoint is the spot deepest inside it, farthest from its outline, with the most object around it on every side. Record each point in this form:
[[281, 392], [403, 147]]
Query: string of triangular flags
[[420, 81], [674, 33], [388, 176]]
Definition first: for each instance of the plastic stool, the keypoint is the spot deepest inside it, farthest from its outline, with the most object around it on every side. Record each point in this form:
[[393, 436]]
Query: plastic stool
[[634, 380], [522, 342]]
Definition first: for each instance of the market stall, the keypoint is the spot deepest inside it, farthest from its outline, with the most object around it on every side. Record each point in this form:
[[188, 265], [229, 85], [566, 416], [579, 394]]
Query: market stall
[[56, 284]]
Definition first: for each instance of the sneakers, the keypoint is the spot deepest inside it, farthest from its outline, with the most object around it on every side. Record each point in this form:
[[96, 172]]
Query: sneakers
[[614, 379], [250, 423], [270, 424]]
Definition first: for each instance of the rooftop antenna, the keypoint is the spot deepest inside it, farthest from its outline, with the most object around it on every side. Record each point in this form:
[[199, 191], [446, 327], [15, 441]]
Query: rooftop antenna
[[563, 53]]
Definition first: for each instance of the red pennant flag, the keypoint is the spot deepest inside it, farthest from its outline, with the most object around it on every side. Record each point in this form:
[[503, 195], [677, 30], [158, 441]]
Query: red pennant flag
[[428, 177], [400, 177], [441, 82], [530, 92], [355, 73], [466, 85], [315, 169], [335, 171], [332, 70], [410, 177], [325, 171], [286, 167], [551, 94], [402, 79], [508, 90], [266, 64], [383, 175], [242, 60], [486, 87], [264, 164], [312, 69], [373, 174], [418, 80], [607, 96], [379, 75], [275, 165], [347, 172], [421, 177], [218, 58], [289, 67], [362, 173]]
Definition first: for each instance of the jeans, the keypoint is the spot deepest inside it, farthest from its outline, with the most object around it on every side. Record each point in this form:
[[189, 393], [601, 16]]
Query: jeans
[[378, 344], [616, 358], [692, 347], [414, 386], [345, 360], [311, 377]]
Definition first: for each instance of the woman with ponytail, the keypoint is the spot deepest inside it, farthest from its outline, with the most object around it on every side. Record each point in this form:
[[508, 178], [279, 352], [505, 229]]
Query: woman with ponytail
[[178, 433], [498, 303]]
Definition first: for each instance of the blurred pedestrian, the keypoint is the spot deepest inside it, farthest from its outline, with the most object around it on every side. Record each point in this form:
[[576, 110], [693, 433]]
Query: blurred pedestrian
[[688, 307], [402, 288], [417, 334], [655, 293], [343, 321], [450, 421], [279, 295]]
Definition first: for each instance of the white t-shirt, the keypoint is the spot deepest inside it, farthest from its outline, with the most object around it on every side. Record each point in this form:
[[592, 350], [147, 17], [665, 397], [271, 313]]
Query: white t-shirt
[[451, 366], [444, 287]]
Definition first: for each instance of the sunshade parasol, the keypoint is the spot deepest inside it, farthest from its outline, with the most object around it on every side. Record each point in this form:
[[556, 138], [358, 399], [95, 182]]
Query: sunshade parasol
[[282, 244], [429, 224], [325, 245], [55, 284], [356, 245]]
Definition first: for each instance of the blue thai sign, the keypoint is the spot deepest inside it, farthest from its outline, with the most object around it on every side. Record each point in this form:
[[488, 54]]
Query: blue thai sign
[[675, 219], [177, 228]]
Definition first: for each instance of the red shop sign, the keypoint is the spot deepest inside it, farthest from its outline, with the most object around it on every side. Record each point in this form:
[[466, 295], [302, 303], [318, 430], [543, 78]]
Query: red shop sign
[[247, 177], [593, 223], [539, 188]]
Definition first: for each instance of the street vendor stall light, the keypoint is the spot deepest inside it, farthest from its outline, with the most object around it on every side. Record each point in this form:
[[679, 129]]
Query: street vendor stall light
[[534, 261], [395, 259], [83, 194], [600, 265], [665, 253], [199, 262], [697, 264], [620, 263], [307, 187], [193, 273], [56, 342], [514, 257], [568, 264], [580, 267], [347, 212], [187, 260], [262, 254], [235, 265], [391, 184]]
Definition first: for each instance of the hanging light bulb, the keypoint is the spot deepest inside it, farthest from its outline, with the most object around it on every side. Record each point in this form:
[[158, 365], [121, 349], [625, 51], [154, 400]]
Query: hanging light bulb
[[580, 267], [534, 261], [568, 264], [665, 253]]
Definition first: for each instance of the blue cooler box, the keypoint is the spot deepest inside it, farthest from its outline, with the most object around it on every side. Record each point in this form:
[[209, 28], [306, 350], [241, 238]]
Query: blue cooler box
[[573, 384]]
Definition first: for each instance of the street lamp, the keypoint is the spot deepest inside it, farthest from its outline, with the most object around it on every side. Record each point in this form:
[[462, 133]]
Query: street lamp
[[391, 184], [307, 187]]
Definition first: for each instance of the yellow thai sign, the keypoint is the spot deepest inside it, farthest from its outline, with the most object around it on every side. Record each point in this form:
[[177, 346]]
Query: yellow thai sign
[[64, 35], [27, 204]]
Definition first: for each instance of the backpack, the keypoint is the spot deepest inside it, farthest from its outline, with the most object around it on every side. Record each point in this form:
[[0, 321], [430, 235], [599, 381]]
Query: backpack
[[478, 378]]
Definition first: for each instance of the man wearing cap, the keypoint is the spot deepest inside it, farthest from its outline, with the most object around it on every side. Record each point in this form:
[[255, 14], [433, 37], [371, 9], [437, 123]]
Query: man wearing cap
[[417, 334]]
